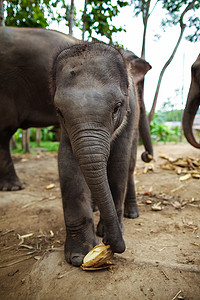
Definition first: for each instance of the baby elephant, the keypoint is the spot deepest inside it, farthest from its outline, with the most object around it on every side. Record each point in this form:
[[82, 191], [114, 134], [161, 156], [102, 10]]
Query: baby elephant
[[94, 89]]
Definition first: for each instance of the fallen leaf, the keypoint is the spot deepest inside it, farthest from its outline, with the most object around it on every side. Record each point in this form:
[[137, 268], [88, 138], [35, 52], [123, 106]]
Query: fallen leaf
[[50, 186], [51, 233], [156, 206], [176, 204], [195, 175], [26, 246], [141, 187], [37, 257], [22, 237], [148, 201], [185, 177], [148, 167]]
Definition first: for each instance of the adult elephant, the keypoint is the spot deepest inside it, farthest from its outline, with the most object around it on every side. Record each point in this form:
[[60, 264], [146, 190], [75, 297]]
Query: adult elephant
[[25, 56], [192, 104], [96, 96], [25, 101]]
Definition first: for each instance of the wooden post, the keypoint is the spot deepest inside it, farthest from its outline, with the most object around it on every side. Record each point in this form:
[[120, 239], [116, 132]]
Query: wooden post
[[25, 140], [1, 13], [38, 136]]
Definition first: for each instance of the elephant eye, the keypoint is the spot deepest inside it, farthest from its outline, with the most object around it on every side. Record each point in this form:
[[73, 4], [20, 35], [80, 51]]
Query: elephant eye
[[116, 109]]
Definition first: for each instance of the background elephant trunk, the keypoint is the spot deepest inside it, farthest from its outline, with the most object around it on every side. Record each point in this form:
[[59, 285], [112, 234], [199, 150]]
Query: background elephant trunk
[[144, 127], [144, 130], [91, 149], [188, 118]]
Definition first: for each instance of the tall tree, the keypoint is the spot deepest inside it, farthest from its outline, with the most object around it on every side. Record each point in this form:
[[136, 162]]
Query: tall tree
[[1, 13], [180, 21], [176, 9], [71, 17], [144, 8], [98, 16], [66, 13], [84, 19], [27, 13]]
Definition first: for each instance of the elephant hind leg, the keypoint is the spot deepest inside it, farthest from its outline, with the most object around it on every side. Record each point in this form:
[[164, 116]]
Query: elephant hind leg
[[9, 180], [130, 206]]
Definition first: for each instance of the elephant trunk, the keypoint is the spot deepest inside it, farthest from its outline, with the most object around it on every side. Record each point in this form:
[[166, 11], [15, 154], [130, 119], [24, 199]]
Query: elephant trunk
[[144, 129], [188, 118], [91, 149]]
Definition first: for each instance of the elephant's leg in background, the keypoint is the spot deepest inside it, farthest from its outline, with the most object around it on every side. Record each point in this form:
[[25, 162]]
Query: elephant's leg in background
[[78, 215], [118, 166], [130, 205], [9, 180]]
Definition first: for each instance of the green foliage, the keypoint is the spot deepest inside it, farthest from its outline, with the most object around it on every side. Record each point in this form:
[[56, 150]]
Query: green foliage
[[174, 10], [163, 133], [45, 134], [45, 146], [195, 23], [27, 13], [168, 110], [99, 16], [18, 135], [169, 116], [141, 6], [65, 13], [47, 140], [175, 6]]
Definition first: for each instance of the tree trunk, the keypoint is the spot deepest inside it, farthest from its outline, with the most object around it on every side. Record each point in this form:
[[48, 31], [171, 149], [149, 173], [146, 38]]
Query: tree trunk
[[25, 140], [151, 114], [84, 15], [71, 18], [38, 136], [1, 13], [145, 17], [13, 144], [182, 25]]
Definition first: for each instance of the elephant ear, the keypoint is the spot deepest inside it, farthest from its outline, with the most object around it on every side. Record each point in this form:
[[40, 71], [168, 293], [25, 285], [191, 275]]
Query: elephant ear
[[139, 66]]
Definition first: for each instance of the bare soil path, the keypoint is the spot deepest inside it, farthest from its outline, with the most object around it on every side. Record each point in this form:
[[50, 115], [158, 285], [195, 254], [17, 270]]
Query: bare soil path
[[162, 259]]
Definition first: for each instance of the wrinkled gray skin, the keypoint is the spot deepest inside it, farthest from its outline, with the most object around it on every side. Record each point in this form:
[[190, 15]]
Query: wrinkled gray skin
[[192, 104], [25, 101], [25, 56], [97, 100]]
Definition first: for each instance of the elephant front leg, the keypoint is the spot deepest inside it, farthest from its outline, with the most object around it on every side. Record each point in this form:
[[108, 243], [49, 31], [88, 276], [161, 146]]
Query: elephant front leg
[[80, 233], [9, 180]]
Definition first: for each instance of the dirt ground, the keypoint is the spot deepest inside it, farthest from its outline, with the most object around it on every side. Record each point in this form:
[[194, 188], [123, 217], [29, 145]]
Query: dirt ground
[[162, 259]]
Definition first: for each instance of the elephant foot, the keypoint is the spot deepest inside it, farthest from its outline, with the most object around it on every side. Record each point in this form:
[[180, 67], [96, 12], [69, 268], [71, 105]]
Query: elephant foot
[[100, 227], [74, 253], [77, 245], [11, 185], [116, 242], [131, 210]]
